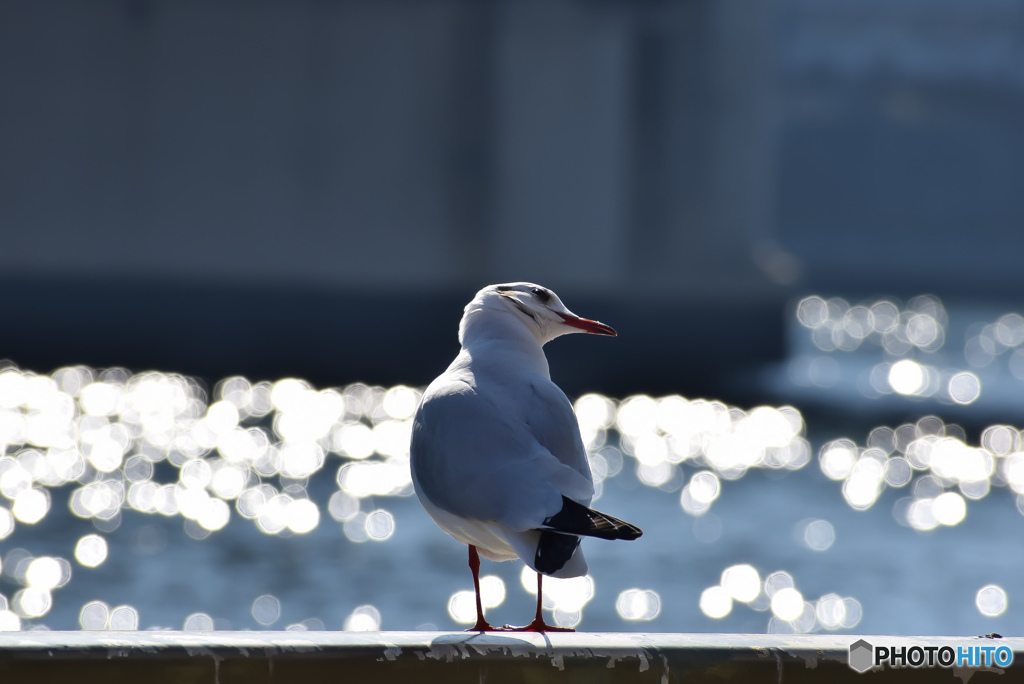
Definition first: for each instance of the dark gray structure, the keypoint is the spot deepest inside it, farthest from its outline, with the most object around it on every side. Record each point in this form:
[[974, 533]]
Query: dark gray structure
[[316, 187]]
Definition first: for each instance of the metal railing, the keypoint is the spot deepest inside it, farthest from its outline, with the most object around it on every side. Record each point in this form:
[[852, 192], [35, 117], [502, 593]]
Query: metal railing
[[156, 657]]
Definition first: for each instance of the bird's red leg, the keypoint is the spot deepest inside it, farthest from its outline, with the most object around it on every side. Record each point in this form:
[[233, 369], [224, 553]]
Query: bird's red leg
[[474, 565], [538, 624]]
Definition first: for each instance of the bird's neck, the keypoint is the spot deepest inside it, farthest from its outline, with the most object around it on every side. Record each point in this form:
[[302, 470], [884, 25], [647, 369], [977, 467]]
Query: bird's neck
[[504, 342]]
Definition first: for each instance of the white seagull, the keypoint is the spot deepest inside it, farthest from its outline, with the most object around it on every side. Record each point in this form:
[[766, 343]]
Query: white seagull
[[497, 458]]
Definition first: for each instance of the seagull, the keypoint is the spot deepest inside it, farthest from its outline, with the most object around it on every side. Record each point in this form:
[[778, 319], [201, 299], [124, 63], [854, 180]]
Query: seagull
[[496, 454]]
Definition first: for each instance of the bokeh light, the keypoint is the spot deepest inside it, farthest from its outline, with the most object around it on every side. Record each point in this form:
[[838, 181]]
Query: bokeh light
[[94, 615], [817, 535], [91, 550], [155, 444], [306, 625], [492, 591], [30, 505], [907, 377], [45, 573], [380, 525], [836, 325], [266, 610], [198, 622], [837, 459], [742, 582], [638, 604], [462, 607], [124, 617], [964, 388], [9, 621], [991, 600], [302, 516], [787, 604], [949, 508], [363, 619], [565, 595], [715, 602], [32, 602]]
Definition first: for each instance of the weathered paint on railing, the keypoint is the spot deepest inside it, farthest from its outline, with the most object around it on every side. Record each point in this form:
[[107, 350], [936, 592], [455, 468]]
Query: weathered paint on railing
[[379, 657]]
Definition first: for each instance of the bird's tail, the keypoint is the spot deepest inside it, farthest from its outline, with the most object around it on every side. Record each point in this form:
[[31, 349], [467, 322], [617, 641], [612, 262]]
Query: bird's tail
[[577, 519], [553, 551]]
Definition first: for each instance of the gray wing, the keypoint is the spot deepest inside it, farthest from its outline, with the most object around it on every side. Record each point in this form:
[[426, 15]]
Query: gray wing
[[476, 459], [553, 423]]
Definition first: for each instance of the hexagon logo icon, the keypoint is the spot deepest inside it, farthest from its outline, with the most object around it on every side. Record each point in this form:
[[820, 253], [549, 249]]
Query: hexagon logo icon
[[861, 655]]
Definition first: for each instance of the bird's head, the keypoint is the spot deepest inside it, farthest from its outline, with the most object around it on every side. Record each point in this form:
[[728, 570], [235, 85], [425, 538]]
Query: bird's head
[[537, 308]]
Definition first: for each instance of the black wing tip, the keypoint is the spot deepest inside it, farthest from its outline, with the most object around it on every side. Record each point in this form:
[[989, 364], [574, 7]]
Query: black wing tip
[[575, 518], [631, 532]]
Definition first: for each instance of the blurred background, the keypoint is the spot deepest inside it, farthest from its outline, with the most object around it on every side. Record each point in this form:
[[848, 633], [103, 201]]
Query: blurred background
[[802, 217]]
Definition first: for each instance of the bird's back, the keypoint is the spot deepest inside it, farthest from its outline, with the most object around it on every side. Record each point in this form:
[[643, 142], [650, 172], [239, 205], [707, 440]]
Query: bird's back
[[498, 444]]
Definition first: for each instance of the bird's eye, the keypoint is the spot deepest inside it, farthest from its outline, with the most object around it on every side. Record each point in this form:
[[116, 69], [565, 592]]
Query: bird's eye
[[543, 295]]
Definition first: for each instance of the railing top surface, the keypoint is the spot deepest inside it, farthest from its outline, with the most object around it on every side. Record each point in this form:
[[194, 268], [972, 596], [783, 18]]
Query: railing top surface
[[159, 657], [303, 640]]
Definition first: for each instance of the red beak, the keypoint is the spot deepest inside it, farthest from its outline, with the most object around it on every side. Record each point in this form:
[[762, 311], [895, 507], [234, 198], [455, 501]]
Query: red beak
[[587, 325]]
